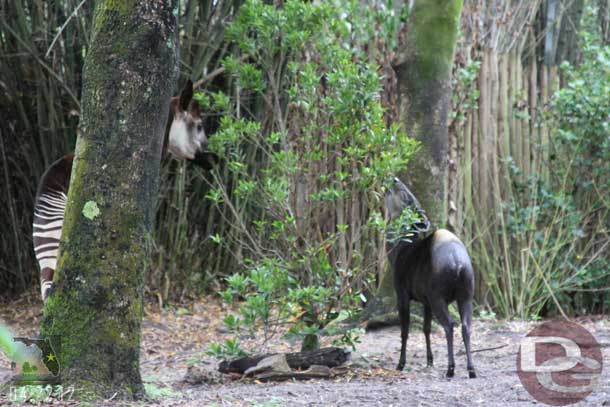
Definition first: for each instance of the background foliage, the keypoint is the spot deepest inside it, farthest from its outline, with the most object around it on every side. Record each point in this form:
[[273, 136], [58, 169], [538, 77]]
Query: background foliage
[[300, 101], [528, 136]]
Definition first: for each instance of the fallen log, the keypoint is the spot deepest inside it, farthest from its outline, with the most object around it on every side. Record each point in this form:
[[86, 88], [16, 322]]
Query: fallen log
[[330, 357], [276, 368], [314, 372]]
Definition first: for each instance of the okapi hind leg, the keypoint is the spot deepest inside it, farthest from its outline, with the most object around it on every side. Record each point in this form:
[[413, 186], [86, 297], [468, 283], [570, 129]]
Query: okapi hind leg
[[465, 308], [405, 319], [441, 311]]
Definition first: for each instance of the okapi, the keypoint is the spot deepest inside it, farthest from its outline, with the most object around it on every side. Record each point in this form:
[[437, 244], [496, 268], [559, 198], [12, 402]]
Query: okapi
[[184, 138], [433, 269]]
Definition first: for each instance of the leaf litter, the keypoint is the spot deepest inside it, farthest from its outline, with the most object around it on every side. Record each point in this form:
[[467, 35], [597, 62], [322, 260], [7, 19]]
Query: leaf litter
[[175, 340]]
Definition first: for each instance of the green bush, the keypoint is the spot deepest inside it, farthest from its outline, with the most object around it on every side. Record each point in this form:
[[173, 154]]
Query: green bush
[[303, 207], [581, 174]]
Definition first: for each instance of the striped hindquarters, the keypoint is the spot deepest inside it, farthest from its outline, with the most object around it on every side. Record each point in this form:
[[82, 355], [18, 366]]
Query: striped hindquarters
[[49, 211]]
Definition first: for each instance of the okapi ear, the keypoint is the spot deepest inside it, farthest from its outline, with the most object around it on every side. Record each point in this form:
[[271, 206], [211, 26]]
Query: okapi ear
[[186, 95], [194, 108]]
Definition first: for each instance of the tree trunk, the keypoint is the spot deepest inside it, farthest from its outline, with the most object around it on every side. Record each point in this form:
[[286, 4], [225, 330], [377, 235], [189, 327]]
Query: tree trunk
[[93, 316], [423, 71], [381, 310], [423, 68], [567, 46], [603, 13]]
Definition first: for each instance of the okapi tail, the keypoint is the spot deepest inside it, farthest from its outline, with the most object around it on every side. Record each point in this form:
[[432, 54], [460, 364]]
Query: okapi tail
[[49, 208]]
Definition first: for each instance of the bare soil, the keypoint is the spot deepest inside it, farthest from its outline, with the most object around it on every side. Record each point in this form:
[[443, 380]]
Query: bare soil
[[176, 338]]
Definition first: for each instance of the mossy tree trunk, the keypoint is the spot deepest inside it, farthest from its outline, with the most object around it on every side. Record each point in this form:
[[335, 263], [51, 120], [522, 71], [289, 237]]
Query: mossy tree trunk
[[93, 315], [423, 68]]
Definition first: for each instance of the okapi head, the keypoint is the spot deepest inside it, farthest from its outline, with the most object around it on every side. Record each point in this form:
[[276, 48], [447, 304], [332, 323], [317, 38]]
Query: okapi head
[[398, 197], [186, 138]]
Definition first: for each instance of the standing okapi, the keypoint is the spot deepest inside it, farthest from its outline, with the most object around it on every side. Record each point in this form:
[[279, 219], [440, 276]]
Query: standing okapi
[[184, 138], [434, 270]]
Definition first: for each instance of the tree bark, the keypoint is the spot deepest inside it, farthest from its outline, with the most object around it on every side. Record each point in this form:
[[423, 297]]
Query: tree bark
[[93, 315], [423, 72], [567, 43], [423, 67]]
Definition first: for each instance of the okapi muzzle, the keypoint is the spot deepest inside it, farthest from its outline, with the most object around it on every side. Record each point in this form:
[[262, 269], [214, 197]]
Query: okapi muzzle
[[184, 138], [397, 198]]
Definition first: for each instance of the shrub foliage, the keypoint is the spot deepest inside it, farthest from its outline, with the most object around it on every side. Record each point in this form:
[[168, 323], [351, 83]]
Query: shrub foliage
[[303, 206]]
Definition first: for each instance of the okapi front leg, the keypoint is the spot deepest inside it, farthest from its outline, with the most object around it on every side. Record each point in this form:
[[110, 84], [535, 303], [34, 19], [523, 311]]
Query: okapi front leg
[[405, 319], [427, 330]]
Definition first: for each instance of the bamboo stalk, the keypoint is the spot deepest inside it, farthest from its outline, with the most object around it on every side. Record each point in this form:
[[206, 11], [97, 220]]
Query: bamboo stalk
[[484, 131], [519, 134], [526, 134], [535, 135], [504, 122], [544, 131], [476, 163], [466, 164]]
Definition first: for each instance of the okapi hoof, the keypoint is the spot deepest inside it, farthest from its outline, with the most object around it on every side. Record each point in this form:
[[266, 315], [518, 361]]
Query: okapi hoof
[[450, 372], [472, 374], [400, 367], [429, 363]]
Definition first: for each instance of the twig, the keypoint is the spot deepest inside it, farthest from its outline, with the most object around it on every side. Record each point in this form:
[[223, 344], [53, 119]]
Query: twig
[[488, 349], [589, 290], [43, 64], [215, 72], [113, 396], [63, 27], [551, 292], [10, 200]]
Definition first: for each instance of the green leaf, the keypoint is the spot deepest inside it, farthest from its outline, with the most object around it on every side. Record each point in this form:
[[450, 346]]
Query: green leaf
[[182, 311], [90, 210]]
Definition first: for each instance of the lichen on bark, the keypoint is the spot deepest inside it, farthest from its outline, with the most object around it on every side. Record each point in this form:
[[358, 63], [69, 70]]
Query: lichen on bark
[[94, 311]]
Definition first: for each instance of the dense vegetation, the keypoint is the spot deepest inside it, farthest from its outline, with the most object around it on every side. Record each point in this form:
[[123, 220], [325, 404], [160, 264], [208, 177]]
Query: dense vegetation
[[560, 214], [304, 207], [556, 219], [300, 103]]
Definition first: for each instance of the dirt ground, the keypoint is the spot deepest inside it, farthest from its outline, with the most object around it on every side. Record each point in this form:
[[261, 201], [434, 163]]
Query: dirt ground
[[176, 338]]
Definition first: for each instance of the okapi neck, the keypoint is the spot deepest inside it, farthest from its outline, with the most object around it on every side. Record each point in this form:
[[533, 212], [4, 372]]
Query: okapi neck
[[404, 248]]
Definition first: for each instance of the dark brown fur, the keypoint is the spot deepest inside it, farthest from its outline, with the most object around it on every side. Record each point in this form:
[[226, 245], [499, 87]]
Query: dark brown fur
[[434, 270]]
